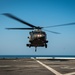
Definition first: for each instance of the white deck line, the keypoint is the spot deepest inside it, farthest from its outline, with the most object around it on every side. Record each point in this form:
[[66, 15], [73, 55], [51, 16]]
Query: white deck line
[[49, 68]]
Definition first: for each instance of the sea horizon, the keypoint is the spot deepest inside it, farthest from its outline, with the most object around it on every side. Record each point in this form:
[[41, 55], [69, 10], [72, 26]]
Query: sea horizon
[[37, 56]]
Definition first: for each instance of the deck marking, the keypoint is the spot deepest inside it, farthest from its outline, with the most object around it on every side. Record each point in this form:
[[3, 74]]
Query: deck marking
[[49, 68]]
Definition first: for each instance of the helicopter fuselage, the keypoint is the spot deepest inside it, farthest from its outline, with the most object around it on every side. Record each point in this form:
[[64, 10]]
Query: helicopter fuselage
[[37, 38]]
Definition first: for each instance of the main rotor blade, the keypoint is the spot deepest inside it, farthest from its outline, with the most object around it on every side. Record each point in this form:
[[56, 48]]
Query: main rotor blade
[[67, 24], [13, 17], [53, 32], [19, 28]]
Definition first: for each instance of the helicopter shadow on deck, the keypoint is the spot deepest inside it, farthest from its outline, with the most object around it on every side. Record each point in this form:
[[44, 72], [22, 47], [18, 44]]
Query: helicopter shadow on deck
[[58, 59]]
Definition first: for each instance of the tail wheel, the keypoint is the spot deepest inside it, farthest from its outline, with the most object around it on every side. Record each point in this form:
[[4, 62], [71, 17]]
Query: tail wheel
[[35, 49]]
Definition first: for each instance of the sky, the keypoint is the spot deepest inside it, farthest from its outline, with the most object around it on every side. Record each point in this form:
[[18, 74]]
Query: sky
[[39, 13]]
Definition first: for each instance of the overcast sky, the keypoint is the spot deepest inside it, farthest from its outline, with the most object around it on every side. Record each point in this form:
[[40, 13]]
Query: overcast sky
[[39, 13]]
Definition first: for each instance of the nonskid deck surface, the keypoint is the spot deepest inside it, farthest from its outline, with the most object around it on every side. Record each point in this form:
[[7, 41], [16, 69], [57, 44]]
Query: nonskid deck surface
[[29, 66]]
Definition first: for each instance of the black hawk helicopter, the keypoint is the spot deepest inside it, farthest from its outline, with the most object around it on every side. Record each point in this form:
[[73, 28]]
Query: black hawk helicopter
[[37, 38]]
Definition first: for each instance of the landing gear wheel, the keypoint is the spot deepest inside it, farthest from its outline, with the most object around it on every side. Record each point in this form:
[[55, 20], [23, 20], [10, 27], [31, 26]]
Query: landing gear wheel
[[28, 45], [45, 45]]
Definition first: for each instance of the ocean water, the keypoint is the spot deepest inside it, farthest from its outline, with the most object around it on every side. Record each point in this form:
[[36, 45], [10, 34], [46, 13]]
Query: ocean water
[[29, 56]]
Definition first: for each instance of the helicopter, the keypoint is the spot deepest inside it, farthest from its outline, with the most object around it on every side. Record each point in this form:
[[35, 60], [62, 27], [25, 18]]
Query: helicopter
[[38, 37]]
